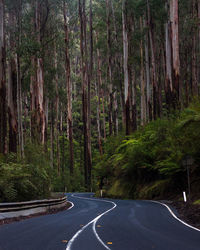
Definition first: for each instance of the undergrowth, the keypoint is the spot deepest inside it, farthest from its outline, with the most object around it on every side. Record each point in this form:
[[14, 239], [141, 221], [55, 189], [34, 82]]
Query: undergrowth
[[149, 163]]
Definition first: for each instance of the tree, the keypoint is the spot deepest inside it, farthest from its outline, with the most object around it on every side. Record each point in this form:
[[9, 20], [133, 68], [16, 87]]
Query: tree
[[12, 89], [69, 87], [153, 63], [84, 69], [142, 87], [175, 50], [126, 75], [109, 66], [168, 52], [3, 106]]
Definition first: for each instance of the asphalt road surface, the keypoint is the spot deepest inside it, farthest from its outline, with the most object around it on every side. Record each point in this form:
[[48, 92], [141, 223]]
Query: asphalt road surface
[[96, 224]]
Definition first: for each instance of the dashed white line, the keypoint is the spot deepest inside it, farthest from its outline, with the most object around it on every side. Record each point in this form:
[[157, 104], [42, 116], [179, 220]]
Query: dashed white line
[[171, 212], [94, 221]]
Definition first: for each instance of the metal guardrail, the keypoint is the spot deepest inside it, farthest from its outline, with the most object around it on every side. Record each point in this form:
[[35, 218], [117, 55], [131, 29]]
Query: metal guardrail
[[18, 206]]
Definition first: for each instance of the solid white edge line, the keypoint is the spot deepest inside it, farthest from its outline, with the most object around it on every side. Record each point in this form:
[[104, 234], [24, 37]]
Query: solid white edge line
[[171, 212], [94, 221], [71, 205]]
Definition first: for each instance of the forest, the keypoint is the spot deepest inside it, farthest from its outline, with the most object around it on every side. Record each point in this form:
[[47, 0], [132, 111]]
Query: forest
[[99, 94]]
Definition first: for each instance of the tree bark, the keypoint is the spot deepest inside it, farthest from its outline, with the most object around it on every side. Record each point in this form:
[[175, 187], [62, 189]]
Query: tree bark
[[142, 86], [133, 100], [12, 104], [37, 82], [148, 79], [19, 85], [115, 115], [99, 85], [168, 56], [109, 63], [84, 69], [40, 82], [3, 106], [198, 39], [153, 62], [52, 136], [126, 74], [98, 110], [69, 99], [101, 92], [194, 50], [12, 90], [19, 108], [57, 111], [175, 50]]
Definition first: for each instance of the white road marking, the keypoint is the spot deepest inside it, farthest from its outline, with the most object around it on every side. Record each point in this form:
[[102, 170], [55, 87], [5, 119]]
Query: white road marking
[[171, 212], [94, 221], [71, 205]]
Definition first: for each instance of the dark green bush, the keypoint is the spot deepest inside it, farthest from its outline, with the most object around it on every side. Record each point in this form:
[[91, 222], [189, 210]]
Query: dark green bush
[[25, 179], [153, 154]]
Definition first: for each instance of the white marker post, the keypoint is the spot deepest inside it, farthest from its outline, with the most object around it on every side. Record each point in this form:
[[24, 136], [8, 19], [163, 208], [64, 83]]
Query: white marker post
[[101, 192], [184, 197]]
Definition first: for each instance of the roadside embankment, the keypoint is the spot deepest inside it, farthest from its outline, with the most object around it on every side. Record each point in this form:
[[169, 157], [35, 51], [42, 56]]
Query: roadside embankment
[[188, 212]]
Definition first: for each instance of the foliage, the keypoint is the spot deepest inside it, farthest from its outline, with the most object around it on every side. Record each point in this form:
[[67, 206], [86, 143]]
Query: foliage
[[149, 163], [25, 179], [197, 202]]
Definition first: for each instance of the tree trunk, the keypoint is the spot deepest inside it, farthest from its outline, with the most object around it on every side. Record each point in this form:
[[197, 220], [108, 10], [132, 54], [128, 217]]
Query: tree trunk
[[126, 74], [194, 50], [198, 61], [115, 115], [90, 78], [98, 110], [84, 69], [109, 70], [37, 83], [3, 108], [142, 87], [12, 92], [104, 119], [19, 85], [33, 98], [153, 62], [19, 108], [148, 86], [101, 91], [133, 101], [99, 85], [175, 50], [46, 111], [168, 56], [12, 112], [26, 117], [57, 111], [52, 136], [69, 99]]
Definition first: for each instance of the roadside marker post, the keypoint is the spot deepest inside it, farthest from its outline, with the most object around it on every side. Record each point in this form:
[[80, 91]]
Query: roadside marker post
[[184, 197], [101, 192]]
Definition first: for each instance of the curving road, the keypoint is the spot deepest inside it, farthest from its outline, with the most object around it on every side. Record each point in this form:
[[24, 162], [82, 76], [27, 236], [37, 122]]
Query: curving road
[[96, 224]]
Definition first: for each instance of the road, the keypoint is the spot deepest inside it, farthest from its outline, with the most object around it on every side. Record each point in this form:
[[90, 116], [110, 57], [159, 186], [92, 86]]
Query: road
[[95, 224]]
